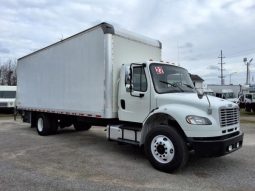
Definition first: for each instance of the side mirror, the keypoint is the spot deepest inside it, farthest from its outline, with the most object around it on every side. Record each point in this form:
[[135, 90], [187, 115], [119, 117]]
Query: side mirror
[[200, 94]]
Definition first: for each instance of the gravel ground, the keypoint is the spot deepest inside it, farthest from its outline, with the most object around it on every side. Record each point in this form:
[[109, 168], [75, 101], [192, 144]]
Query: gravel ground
[[87, 161]]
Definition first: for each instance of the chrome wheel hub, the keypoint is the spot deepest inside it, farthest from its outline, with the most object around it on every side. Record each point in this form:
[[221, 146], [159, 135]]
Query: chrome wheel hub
[[40, 124], [162, 149]]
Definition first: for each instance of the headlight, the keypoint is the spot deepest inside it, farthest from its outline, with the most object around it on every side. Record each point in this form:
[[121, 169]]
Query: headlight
[[197, 120]]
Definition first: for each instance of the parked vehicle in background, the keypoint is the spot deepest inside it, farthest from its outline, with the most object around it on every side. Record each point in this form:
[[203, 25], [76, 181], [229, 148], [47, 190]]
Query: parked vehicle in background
[[209, 92], [227, 94], [107, 76], [7, 97], [247, 101], [235, 89], [247, 98]]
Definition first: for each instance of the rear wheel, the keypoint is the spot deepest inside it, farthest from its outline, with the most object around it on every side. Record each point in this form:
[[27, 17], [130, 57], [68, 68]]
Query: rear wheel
[[166, 149], [81, 126], [43, 125], [46, 124]]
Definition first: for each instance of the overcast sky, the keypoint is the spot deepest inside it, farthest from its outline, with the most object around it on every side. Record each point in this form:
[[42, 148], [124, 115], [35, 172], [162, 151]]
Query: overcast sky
[[192, 31]]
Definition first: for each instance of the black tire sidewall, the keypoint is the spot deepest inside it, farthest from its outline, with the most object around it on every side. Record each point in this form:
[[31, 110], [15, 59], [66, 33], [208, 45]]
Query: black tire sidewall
[[180, 148], [46, 125]]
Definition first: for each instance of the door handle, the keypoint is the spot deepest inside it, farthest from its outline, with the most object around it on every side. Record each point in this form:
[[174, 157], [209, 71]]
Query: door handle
[[122, 104]]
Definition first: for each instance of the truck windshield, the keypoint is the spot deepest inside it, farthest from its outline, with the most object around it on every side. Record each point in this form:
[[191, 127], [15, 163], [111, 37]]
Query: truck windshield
[[7, 94], [170, 79]]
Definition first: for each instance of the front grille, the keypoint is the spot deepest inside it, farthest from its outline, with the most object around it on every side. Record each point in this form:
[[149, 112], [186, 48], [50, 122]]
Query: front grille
[[3, 104], [229, 116]]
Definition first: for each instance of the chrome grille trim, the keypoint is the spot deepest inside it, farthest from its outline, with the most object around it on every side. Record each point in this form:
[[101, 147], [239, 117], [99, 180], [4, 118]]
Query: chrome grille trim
[[229, 116]]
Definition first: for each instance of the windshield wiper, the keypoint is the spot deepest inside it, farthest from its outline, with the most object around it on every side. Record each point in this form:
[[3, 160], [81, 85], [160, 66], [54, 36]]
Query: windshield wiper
[[173, 85], [189, 86]]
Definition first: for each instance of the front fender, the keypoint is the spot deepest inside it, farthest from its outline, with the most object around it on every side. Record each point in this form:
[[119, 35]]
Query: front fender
[[178, 113]]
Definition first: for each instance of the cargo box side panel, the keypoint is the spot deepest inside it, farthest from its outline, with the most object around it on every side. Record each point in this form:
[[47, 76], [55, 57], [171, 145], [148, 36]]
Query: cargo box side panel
[[126, 51], [68, 76]]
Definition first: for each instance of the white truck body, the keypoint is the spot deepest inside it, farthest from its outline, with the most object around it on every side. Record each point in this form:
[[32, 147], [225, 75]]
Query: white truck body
[[109, 77], [7, 97], [80, 74]]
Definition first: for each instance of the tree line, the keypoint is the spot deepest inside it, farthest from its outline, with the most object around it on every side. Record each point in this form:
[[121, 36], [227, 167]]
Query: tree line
[[8, 75]]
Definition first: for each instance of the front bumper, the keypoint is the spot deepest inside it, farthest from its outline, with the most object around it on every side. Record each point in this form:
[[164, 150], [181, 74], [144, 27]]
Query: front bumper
[[217, 146]]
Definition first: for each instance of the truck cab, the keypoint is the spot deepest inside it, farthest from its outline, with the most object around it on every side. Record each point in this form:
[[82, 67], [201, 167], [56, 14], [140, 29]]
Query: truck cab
[[171, 116]]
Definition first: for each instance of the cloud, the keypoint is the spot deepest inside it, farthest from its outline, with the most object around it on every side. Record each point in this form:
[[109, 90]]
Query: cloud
[[192, 32], [186, 45], [213, 67], [4, 50]]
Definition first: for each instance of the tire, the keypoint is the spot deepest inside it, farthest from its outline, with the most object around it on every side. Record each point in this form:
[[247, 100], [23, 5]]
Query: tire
[[248, 107], [81, 126], [43, 125], [165, 149], [53, 125]]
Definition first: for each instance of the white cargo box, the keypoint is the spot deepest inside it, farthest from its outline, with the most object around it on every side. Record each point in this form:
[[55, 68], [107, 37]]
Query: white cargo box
[[79, 75]]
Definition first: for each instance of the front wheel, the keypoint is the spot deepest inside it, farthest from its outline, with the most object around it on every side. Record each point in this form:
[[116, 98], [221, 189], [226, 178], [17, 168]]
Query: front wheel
[[166, 149]]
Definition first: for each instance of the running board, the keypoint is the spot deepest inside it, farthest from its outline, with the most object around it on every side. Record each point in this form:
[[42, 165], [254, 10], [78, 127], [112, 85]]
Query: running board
[[128, 141], [122, 133]]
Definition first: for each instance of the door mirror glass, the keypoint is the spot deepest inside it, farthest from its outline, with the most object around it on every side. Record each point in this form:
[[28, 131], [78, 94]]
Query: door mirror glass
[[139, 80]]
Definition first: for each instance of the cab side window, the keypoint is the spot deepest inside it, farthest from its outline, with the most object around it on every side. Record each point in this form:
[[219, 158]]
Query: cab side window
[[139, 79]]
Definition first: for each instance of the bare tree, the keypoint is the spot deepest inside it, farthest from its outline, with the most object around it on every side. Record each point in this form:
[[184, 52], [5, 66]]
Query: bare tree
[[8, 73]]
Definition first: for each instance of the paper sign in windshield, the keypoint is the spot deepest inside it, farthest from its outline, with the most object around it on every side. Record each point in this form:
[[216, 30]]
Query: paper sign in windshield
[[159, 70]]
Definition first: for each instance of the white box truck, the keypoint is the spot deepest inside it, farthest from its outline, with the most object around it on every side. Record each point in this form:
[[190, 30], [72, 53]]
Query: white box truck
[[110, 77], [7, 97]]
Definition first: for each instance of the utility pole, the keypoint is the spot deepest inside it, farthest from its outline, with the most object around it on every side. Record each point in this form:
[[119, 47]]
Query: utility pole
[[221, 68]]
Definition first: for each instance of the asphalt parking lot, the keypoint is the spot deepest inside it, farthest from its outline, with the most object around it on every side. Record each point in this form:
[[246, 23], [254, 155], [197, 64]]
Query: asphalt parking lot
[[87, 161]]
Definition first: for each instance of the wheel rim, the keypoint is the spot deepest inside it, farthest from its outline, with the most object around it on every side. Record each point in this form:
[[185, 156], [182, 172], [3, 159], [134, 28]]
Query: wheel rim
[[162, 149], [40, 124]]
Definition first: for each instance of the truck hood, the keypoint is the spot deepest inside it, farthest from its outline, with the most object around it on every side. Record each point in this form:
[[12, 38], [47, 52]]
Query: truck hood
[[192, 100]]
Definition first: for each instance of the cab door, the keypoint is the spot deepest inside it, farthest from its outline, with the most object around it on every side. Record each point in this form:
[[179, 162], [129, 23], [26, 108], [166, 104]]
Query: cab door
[[134, 93]]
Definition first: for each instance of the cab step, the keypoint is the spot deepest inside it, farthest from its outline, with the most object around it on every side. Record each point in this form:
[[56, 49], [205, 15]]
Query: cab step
[[124, 133]]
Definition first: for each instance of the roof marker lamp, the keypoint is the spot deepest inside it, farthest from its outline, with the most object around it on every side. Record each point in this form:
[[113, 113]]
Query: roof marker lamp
[[198, 120]]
